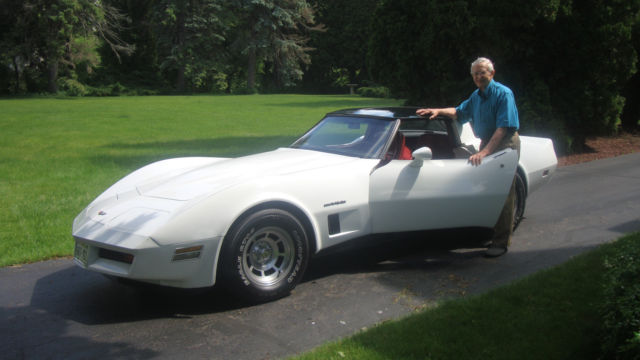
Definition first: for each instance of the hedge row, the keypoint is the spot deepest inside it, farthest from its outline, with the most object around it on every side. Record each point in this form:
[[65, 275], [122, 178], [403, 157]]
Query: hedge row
[[621, 309]]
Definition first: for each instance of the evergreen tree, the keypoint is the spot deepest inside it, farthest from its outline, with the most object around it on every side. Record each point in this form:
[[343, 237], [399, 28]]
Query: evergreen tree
[[48, 33], [142, 68], [190, 35], [274, 33], [340, 51]]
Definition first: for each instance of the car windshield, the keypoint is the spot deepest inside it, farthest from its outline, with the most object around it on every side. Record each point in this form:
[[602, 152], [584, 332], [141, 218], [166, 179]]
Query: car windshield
[[352, 136]]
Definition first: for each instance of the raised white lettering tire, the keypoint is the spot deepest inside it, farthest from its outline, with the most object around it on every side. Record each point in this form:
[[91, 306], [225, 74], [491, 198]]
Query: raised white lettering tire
[[265, 255]]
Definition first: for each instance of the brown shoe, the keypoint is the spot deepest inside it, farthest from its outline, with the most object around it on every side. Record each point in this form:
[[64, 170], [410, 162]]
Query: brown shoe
[[495, 251]]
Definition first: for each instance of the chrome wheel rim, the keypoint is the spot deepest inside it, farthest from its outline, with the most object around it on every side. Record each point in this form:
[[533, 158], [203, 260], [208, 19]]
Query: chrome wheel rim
[[268, 256]]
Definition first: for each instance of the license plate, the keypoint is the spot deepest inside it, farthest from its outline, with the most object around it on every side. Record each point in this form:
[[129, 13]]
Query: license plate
[[81, 253]]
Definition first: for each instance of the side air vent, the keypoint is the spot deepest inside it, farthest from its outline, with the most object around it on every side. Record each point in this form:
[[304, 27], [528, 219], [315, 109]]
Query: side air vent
[[334, 224]]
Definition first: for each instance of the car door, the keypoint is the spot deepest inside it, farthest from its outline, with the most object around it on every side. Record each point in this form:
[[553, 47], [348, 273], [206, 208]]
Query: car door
[[440, 194]]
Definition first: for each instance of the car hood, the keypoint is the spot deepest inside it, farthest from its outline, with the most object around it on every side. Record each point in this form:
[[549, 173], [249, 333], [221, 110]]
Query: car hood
[[211, 178], [144, 201]]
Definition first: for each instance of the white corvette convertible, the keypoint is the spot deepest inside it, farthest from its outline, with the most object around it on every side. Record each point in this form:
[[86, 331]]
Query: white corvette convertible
[[254, 222]]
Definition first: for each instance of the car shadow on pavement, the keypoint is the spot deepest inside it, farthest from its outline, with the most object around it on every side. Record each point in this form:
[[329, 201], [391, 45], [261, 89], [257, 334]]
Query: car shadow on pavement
[[98, 299], [53, 342], [386, 252], [43, 329], [89, 298]]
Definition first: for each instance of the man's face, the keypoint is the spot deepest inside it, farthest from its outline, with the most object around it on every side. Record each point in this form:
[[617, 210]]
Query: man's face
[[481, 76]]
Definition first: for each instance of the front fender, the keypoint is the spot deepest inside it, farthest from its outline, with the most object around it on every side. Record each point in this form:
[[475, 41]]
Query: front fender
[[316, 194]]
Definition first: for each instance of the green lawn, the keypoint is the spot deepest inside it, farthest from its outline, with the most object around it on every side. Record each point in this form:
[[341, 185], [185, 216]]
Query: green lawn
[[59, 154]]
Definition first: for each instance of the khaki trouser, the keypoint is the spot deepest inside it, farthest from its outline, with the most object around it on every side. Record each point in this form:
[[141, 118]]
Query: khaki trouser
[[504, 226]]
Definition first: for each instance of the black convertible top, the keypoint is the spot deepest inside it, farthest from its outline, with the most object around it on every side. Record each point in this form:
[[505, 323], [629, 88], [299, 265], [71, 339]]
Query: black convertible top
[[399, 112]]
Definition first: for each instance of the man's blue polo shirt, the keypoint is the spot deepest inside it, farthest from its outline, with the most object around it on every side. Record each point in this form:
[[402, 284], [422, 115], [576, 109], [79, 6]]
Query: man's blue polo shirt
[[493, 108]]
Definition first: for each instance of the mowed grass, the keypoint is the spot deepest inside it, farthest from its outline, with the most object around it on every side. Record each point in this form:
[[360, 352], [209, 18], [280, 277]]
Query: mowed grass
[[58, 154]]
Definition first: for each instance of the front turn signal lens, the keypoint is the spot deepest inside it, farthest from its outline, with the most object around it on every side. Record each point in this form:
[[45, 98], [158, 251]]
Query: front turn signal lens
[[192, 252]]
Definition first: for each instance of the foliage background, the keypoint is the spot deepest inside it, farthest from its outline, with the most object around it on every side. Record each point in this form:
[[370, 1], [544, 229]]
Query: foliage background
[[566, 61], [620, 311], [571, 64]]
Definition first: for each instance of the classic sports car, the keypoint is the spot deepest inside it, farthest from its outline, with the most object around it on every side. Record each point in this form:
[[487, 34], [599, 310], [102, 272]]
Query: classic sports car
[[254, 222]]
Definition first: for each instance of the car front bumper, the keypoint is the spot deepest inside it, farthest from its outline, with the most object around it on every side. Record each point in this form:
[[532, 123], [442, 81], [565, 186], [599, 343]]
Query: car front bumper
[[183, 264]]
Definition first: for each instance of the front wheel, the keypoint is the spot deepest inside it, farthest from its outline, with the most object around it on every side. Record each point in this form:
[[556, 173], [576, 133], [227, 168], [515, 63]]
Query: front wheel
[[521, 200], [265, 255]]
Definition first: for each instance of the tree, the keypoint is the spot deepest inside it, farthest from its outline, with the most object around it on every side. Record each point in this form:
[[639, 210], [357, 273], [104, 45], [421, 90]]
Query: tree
[[593, 41], [47, 32], [630, 120], [566, 61], [420, 50], [190, 35], [273, 32], [340, 55], [142, 68], [15, 43]]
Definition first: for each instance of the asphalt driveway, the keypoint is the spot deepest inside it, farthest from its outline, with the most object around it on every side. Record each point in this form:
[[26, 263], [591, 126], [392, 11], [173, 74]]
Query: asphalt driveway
[[55, 310]]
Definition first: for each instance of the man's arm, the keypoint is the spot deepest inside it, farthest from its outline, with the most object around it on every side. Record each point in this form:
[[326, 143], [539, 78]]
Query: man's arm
[[448, 112], [496, 138]]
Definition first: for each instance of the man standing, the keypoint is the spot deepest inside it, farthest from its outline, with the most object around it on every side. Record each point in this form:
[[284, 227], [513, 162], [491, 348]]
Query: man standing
[[492, 111]]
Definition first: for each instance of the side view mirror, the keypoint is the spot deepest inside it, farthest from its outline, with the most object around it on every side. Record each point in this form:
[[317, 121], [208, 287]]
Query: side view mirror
[[420, 155]]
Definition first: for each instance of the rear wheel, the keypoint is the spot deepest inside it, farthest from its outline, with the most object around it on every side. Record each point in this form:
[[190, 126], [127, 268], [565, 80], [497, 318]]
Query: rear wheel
[[521, 200], [265, 255]]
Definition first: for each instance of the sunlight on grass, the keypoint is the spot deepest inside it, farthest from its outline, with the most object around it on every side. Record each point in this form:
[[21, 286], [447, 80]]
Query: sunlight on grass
[[59, 154]]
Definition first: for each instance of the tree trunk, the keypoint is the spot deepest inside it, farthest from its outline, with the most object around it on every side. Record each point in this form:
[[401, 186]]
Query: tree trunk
[[251, 70], [180, 83], [180, 41], [52, 76], [229, 81], [17, 71], [630, 118], [277, 76]]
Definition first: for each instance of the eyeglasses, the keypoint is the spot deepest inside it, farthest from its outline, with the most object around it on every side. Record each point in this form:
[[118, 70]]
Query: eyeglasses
[[479, 73]]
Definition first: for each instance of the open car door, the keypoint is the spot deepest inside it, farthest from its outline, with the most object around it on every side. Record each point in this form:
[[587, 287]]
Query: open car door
[[408, 195]]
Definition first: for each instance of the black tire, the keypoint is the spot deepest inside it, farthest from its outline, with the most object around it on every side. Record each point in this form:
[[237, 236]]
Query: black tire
[[265, 255], [521, 201]]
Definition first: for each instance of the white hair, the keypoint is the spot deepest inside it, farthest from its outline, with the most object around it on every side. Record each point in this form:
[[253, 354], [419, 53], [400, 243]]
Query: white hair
[[484, 62]]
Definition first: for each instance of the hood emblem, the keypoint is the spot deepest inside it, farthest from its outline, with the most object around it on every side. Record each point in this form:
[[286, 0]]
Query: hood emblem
[[102, 213]]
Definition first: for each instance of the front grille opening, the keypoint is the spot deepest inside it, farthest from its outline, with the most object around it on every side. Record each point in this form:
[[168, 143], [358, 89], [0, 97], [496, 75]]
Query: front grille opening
[[115, 256]]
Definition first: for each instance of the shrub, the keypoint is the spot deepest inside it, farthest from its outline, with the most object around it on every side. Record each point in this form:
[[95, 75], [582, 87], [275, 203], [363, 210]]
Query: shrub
[[245, 91], [118, 89], [621, 309], [98, 91], [146, 92], [374, 91], [72, 87]]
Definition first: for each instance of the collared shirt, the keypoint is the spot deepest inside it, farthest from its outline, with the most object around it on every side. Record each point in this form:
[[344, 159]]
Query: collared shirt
[[493, 108]]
